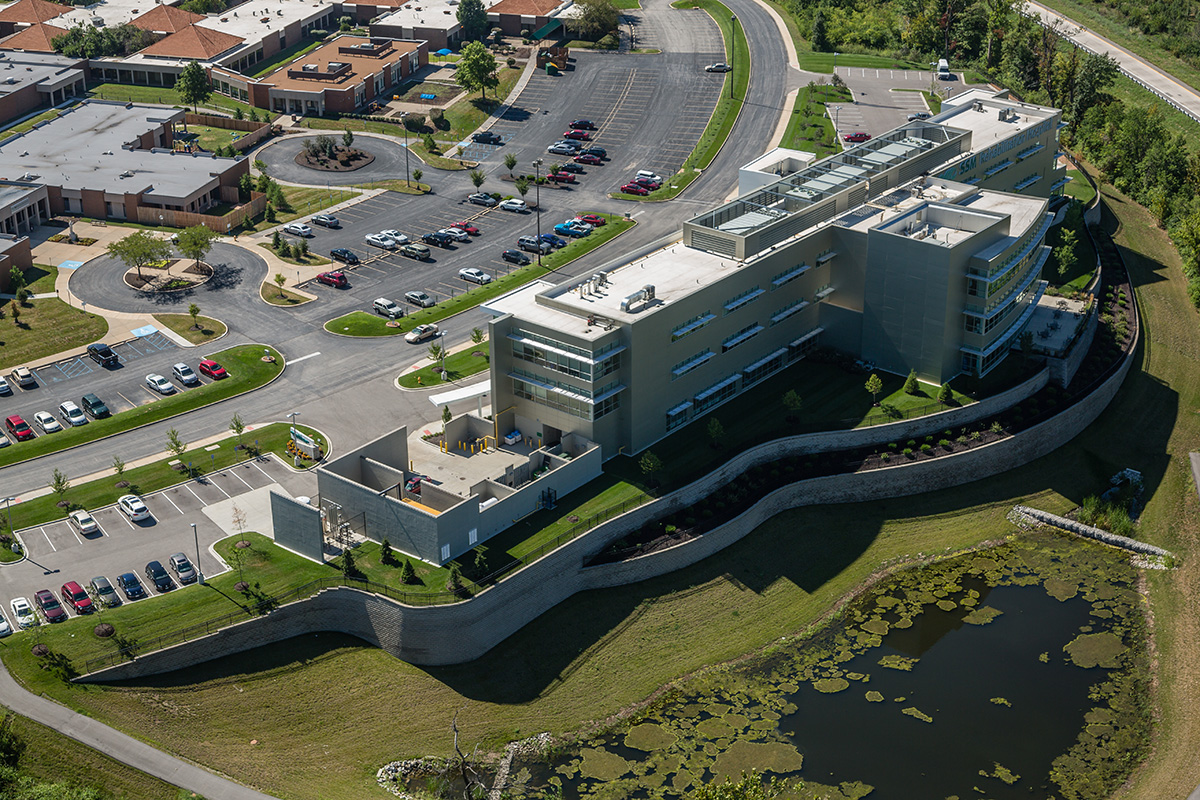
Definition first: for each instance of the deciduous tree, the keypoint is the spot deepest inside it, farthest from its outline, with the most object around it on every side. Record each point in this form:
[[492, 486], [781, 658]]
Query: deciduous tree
[[472, 16], [874, 386], [193, 85], [476, 70], [139, 249]]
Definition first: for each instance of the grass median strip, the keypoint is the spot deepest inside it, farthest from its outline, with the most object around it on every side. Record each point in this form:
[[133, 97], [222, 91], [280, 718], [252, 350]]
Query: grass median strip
[[247, 371], [183, 325], [462, 364], [277, 296], [360, 323]]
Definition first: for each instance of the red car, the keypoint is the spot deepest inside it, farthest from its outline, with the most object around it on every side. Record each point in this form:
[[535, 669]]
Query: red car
[[582, 136], [74, 596], [19, 428], [633, 188], [335, 279], [44, 598], [212, 369], [857, 136], [593, 219], [465, 226], [589, 159], [561, 177], [649, 184]]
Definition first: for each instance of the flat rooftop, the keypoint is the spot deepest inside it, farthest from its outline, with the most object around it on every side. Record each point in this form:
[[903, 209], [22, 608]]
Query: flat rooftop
[[985, 119], [113, 12], [255, 19], [437, 14], [25, 68], [84, 148], [364, 57]]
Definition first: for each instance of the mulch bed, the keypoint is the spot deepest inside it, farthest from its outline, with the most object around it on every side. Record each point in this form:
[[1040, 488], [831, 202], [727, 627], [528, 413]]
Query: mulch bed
[[344, 162]]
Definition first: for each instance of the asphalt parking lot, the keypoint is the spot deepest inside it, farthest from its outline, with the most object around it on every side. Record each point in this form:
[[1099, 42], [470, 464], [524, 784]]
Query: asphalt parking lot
[[121, 388], [57, 553], [885, 97]]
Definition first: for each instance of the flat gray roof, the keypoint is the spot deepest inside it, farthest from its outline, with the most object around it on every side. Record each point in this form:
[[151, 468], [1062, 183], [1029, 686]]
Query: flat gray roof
[[84, 148], [23, 69]]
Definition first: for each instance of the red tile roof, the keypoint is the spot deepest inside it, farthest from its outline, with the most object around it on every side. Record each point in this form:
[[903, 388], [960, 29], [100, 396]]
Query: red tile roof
[[166, 19], [525, 8], [194, 42], [35, 38], [32, 11]]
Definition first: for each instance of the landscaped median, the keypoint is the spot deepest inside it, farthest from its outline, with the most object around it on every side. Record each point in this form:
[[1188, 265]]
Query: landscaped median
[[363, 324], [462, 364], [247, 371]]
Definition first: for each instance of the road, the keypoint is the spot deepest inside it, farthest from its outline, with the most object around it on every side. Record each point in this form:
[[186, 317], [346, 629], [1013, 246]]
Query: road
[[1133, 65]]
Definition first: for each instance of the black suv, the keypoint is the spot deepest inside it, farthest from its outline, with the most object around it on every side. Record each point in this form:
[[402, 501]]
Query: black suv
[[515, 257], [102, 354], [343, 255], [159, 577], [438, 238], [487, 137], [598, 152], [93, 406]]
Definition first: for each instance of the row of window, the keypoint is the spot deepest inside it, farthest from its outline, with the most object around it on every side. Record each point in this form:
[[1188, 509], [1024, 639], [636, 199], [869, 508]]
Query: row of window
[[575, 406], [743, 299], [566, 364], [736, 339]]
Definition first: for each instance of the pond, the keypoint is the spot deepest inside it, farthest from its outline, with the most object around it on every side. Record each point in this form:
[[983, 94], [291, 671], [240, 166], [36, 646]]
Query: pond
[[1019, 671]]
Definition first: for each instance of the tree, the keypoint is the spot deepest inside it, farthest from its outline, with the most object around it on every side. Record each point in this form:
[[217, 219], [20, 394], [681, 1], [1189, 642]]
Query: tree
[[407, 574], [239, 522], [276, 241], [139, 249], [195, 242], [595, 18], [301, 249], [194, 311], [650, 465], [245, 186], [715, 430], [15, 310], [874, 386], [793, 403], [477, 335], [349, 568], [945, 396], [237, 426], [59, 485], [820, 33], [434, 353], [16, 278], [175, 445], [417, 175], [280, 280], [347, 139], [911, 385], [510, 161], [476, 70], [119, 468], [446, 417], [237, 113], [1065, 257], [472, 16], [193, 85], [386, 556], [522, 186], [477, 177], [454, 583]]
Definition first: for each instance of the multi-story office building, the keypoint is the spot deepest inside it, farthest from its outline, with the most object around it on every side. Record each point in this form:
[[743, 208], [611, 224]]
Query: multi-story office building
[[919, 250]]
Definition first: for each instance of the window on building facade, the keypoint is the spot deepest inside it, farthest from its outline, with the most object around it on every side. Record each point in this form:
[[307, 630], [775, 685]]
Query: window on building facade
[[794, 307], [690, 363], [742, 300], [692, 325], [716, 394], [741, 337], [789, 275]]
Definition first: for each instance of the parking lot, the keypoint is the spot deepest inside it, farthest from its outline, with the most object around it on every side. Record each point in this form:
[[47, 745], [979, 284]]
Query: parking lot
[[121, 387], [57, 553], [885, 97]]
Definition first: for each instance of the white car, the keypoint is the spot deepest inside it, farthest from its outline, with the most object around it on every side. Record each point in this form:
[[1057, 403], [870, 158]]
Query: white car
[[23, 613], [474, 275], [513, 204], [395, 235], [72, 414], [578, 223], [4, 387], [184, 374], [46, 422], [421, 333], [297, 229], [159, 384], [5, 628], [83, 522], [456, 234], [132, 506], [379, 240]]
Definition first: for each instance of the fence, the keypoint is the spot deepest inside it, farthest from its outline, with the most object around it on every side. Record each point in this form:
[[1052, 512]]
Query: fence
[[255, 131], [219, 224]]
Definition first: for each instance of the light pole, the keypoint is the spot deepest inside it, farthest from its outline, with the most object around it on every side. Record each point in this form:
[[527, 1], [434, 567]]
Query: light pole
[[835, 55], [443, 338], [404, 114], [199, 572], [8, 506], [537, 190], [733, 49], [292, 421]]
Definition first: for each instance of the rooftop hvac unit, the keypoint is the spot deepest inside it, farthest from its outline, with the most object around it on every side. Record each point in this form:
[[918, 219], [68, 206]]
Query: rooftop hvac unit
[[646, 294], [10, 80], [309, 68], [336, 65], [977, 105]]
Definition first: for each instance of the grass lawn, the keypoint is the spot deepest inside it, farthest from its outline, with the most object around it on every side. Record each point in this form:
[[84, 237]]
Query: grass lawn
[[309, 259], [281, 297], [208, 137], [247, 371], [469, 112], [430, 579], [285, 56], [44, 328], [1085, 263], [1178, 123], [360, 323], [182, 324], [302, 201], [1079, 188], [28, 124], [813, 131], [462, 364], [627, 4], [161, 96], [438, 161]]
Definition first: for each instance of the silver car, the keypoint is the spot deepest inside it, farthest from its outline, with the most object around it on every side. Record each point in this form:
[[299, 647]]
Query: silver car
[[83, 522], [182, 568], [159, 384]]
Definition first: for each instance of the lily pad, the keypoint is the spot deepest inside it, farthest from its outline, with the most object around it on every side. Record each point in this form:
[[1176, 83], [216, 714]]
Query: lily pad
[[982, 615], [749, 756], [879, 627], [831, 685], [1061, 590], [1001, 701], [947, 605], [1095, 650], [648, 737], [874, 697], [602, 765], [917, 713], [898, 662]]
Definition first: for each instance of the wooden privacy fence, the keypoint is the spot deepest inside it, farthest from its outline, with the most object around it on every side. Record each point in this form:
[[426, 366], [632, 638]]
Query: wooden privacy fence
[[220, 224], [255, 131]]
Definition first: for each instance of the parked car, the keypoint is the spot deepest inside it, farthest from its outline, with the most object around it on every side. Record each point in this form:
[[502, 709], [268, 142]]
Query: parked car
[[633, 188], [46, 421], [104, 592], [583, 125], [418, 251], [183, 569], [102, 354], [589, 158], [131, 586], [73, 595], [465, 226], [856, 136], [132, 506], [212, 369], [474, 275], [83, 522], [437, 239], [19, 428], [388, 308], [23, 377], [561, 150], [594, 220], [72, 414], [648, 175], [649, 184], [326, 221], [515, 257], [481, 199], [343, 255], [51, 610], [916, 115], [4, 387], [159, 384], [571, 143], [718, 68], [513, 204], [578, 223], [23, 613], [456, 234], [570, 229], [336, 279], [553, 241], [395, 235], [486, 137], [5, 628], [93, 406], [297, 229], [421, 333], [579, 136], [158, 576], [421, 299], [379, 240], [599, 152], [561, 177], [184, 374], [532, 244], [572, 167]]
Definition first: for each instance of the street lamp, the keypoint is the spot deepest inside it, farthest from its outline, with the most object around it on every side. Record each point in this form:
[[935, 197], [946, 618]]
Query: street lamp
[[733, 47], [443, 337], [404, 114], [835, 55], [7, 505], [199, 572], [537, 190], [292, 420]]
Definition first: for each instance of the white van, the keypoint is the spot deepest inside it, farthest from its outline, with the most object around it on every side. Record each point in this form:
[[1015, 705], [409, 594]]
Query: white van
[[388, 308], [647, 174], [944, 70]]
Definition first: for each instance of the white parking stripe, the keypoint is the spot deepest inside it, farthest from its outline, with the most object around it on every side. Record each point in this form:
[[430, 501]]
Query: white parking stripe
[[195, 495], [214, 483], [172, 502], [260, 469], [239, 477], [52, 547], [302, 358], [71, 528], [127, 522], [102, 531]]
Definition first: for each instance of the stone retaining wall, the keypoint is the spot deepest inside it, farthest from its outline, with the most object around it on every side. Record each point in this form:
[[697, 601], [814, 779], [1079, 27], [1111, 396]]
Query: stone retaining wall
[[1074, 526]]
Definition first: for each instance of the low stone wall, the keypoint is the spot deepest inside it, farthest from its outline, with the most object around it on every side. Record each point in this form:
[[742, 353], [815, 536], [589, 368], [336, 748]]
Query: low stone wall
[[1074, 526]]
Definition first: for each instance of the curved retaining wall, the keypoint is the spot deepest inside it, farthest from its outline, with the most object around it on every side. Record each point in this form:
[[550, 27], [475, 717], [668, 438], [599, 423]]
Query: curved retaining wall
[[453, 634]]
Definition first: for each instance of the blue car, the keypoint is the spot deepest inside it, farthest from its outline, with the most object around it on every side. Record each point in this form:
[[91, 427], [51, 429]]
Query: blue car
[[569, 230], [554, 240]]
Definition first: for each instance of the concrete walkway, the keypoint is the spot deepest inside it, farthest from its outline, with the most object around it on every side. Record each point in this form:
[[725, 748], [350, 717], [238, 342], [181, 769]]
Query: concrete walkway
[[120, 746], [1177, 93]]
